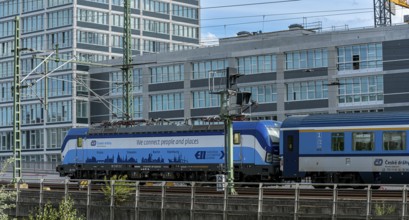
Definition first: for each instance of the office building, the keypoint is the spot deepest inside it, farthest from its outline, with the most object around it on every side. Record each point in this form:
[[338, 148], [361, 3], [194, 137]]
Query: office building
[[90, 31], [290, 72]]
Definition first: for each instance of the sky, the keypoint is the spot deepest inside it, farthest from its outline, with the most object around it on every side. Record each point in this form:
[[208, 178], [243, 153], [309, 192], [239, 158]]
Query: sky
[[218, 21]]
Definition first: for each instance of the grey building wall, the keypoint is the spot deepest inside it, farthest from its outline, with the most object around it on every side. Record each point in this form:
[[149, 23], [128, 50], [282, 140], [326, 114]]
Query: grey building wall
[[279, 43]]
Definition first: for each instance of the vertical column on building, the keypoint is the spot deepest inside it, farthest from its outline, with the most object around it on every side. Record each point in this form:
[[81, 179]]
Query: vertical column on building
[[332, 77], [280, 85], [187, 94], [146, 108]]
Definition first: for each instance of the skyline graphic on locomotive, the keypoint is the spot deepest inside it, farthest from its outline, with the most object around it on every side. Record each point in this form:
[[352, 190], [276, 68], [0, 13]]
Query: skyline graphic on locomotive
[[171, 152], [346, 148]]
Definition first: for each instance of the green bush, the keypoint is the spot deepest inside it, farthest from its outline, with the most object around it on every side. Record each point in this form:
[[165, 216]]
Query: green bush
[[122, 189], [65, 211]]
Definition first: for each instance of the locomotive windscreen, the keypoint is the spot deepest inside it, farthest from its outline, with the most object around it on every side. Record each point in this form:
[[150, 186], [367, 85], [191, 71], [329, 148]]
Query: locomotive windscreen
[[274, 134]]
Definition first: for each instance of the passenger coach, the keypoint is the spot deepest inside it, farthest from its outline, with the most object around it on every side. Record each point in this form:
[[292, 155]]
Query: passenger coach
[[346, 148]]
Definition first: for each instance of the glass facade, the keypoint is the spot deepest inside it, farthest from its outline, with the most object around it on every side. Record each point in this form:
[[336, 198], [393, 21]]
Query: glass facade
[[360, 57], [165, 74], [361, 90], [202, 69], [167, 102], [308, 90], [205, 99], [48, 24], [305, 59], [257, 64]]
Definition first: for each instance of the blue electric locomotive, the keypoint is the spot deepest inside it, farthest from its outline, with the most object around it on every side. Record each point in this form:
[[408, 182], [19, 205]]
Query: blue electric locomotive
[[170, 152], [346, 148]]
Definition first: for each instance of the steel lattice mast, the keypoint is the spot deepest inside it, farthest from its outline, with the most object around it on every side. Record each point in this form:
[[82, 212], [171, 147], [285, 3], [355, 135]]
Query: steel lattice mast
[[127, 62]]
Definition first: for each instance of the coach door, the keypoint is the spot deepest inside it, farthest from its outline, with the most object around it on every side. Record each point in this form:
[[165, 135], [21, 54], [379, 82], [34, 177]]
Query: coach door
[[291, 153]]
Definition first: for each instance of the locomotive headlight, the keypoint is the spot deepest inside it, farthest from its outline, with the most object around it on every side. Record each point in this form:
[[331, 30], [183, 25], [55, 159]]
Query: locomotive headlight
[[269, 157]]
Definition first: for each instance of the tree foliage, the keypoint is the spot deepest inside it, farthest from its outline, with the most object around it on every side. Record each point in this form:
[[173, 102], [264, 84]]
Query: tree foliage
[[7, 197], [65, 211]]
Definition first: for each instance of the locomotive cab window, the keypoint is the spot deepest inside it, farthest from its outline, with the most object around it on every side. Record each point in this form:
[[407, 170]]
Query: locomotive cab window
[[363, 141], [79, 142], [337, 141], [236, 138], [394, 140]]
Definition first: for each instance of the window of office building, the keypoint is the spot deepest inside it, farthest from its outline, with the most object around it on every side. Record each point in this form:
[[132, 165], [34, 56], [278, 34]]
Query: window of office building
[[156, 26], [6, 47], [7, 28], [91, 57], [185, 31], [165, 74], [155, 46], [52, 65], [32, 139], [262, 93], [134, 3], [55, 137], [35, 43], [357, 57], [137, 80], [28, 64], [117, 41], [5, 91], [94, 38], [59, 18], [118, 21], [59, 111], [32, 114], [184, 11], [304, 59], [60, 85], [32, 158], [82, 109], [178, 47], [52, 3], [205, 99], [6, 142], [53, 158], [116, 82], [156, 6], [6, 69], [10, 7], [310, 90], [117, 106], [217, 68], [35, 90], [96, 17], [361, 90], [82, 85], [32, 5], [62, 38], [167, 102], [257, 64], [6, 116], [99, 1]]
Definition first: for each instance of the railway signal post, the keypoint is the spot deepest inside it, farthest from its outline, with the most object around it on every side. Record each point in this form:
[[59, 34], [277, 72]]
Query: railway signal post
[[229, 97]]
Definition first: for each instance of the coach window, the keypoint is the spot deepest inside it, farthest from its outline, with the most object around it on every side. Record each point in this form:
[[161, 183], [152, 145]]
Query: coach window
[[394, 140], [290, 142], [236, 138], [337, 141], [363, 141]]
